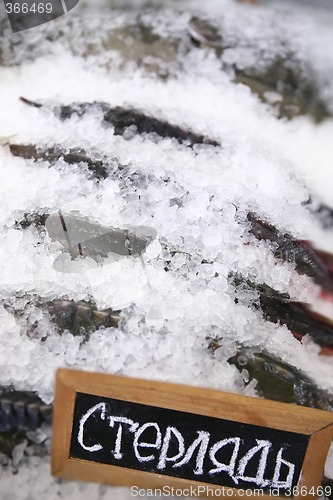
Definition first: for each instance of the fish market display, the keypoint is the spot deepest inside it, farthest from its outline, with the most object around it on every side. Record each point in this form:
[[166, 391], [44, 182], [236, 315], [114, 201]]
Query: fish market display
[[157, 219]]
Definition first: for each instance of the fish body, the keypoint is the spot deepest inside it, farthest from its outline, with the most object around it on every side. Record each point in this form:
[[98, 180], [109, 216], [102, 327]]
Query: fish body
[[275, 378], [121, 119], [22, 410], [81, 317], [307, 260], [285, 76], [278, 307], [78, 317], [52, 154], [100, 167], [279, 381]]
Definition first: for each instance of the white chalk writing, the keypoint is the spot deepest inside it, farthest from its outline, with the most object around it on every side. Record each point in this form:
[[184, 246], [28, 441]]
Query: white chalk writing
[[121, 420], [168, 449], [263, 446], [137, 444], [220, 467], [287, 483], [83, 420], [166, 444], [203, 441]]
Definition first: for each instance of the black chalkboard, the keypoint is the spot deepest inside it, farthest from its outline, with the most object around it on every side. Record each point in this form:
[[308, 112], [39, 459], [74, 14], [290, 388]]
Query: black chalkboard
[[185, 445]]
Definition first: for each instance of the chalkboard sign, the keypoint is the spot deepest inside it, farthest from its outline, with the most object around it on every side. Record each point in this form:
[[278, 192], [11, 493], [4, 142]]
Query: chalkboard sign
[[147, 434], [185, 445]]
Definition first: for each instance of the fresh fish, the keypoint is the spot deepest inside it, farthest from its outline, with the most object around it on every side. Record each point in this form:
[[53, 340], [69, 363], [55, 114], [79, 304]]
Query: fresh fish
[[308, 261], [138, 42], [22, 410], [73, 156], [121, 119], [101, 166], [280, 381], [294, 86], [82, 237], [8, 441], [299, 94], [79, 318], [276, 379], [322, 212], [22, 413], [204, 34], [277, 307]]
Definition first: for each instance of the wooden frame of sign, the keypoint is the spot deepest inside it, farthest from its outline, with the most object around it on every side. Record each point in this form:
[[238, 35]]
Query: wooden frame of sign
[[137, 453]]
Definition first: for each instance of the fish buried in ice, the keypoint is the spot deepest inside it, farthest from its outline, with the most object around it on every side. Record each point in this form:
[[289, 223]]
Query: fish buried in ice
[[285, 76], [124, 119], [73, 156], [79, 318], [22, 409], [314, 263], [278, 307], [21, 414], [276, 379], [99, 166]]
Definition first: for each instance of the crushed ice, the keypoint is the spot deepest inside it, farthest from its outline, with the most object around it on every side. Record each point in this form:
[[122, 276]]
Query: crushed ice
[[196, 212]]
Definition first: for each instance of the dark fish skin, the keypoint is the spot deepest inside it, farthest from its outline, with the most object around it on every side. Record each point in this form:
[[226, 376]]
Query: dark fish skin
[[81, 317], [279, 308], [53, 154], [8, 441], [30, 103], [327, 258], [22, 410], [307, 260], [299, 95], [276, 379], [203, 34], [279, 381], [325, 214], [322, 212], [275, 307], [126, 175], [32, 219], [121, 118], [285, 74], [298, 318]]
